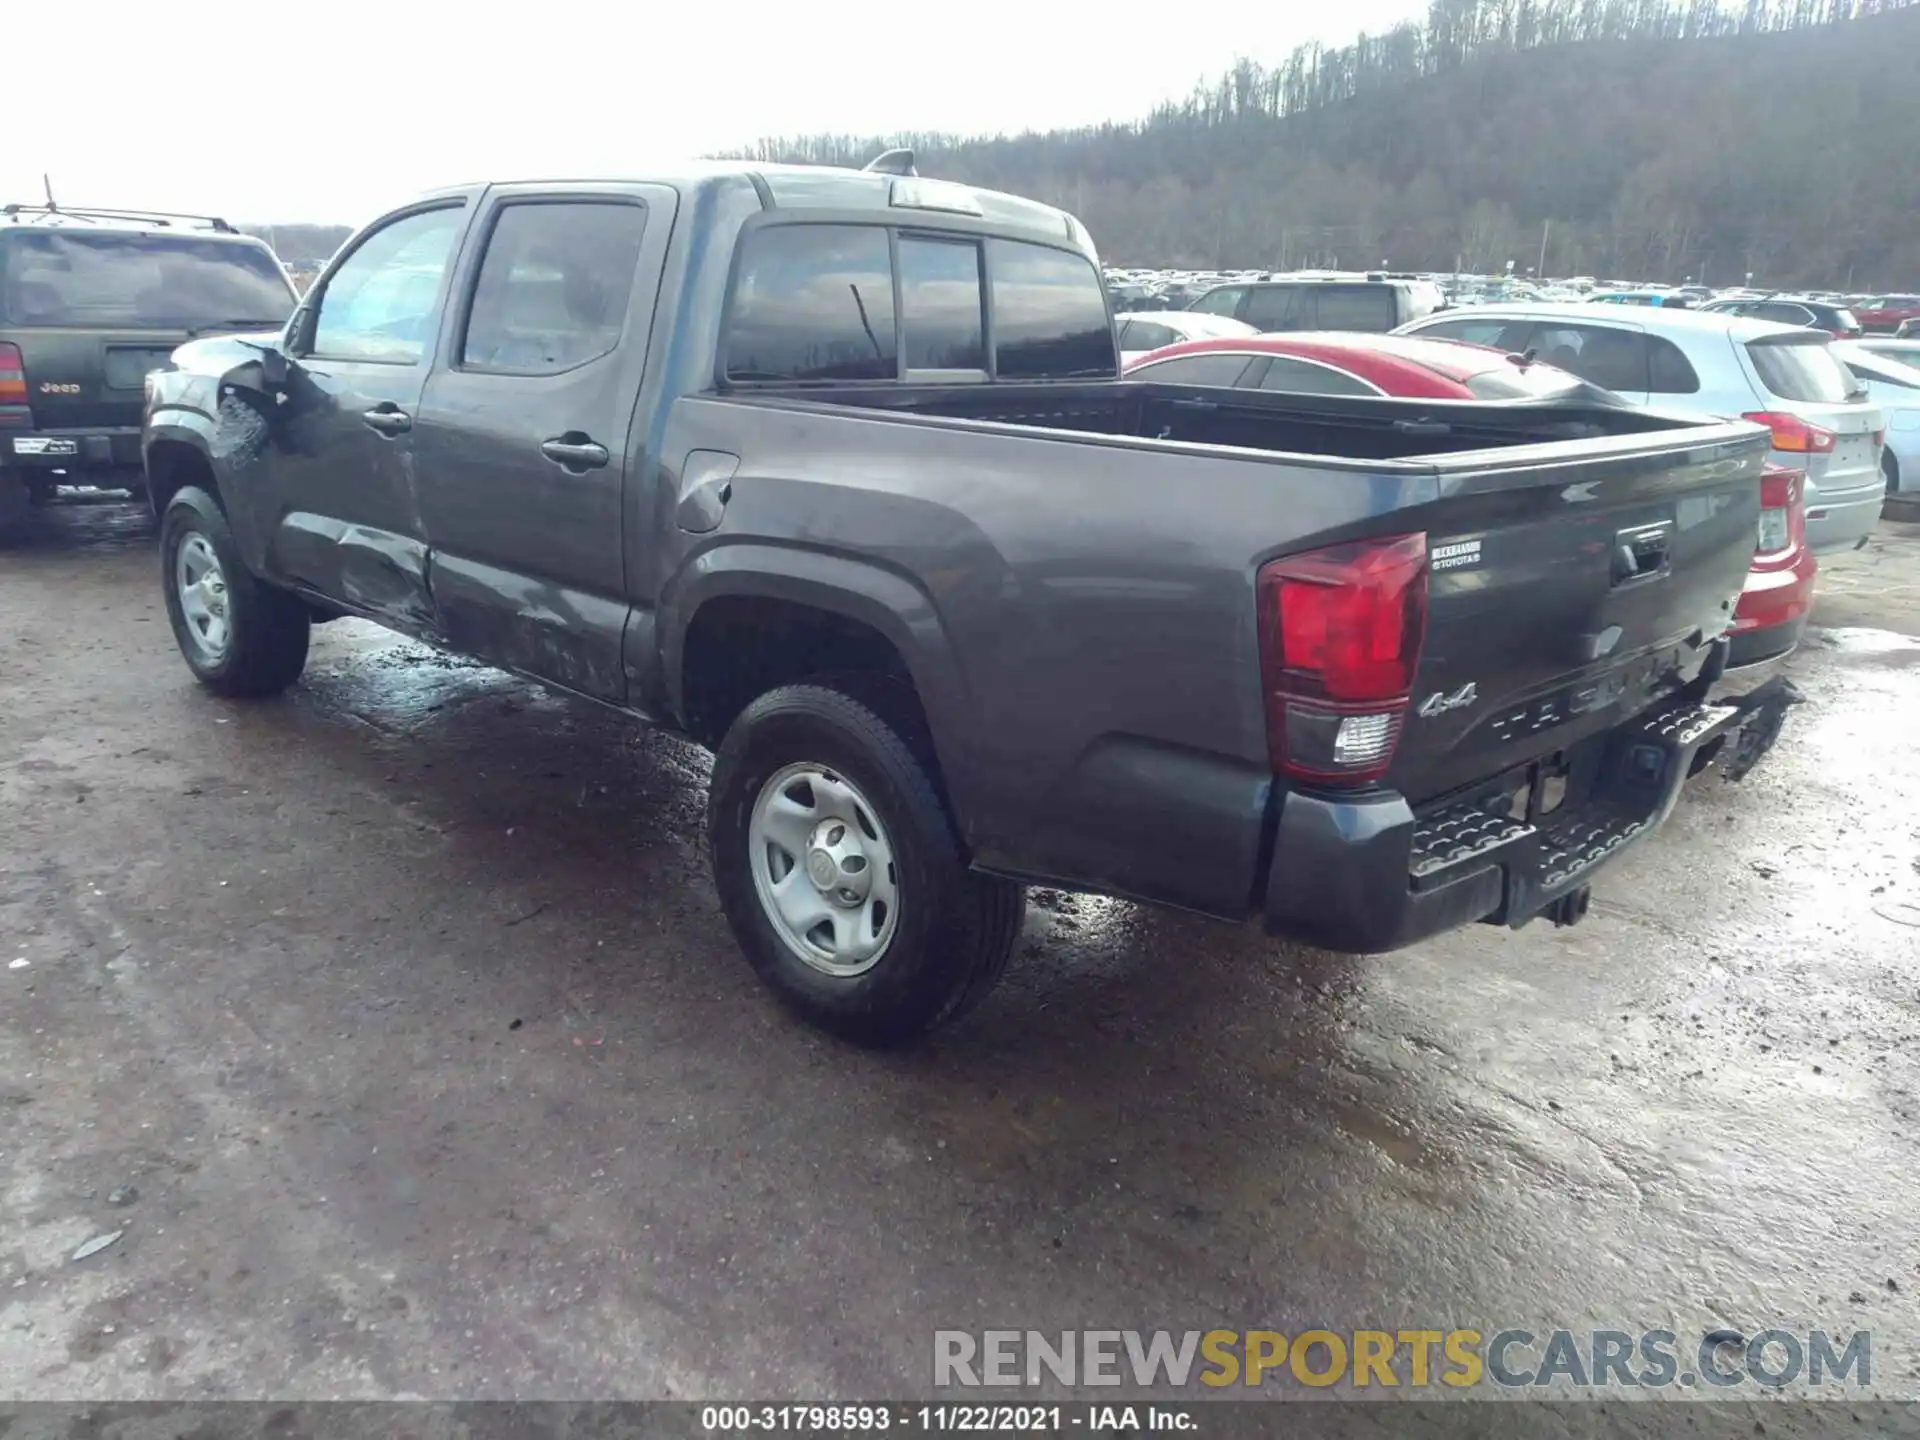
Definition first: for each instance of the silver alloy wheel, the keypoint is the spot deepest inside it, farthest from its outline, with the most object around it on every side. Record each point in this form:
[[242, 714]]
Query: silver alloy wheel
[[823, 869], [204, 601]]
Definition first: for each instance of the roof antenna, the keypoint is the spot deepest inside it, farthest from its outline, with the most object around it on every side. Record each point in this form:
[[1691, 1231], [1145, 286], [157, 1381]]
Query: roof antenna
[[46, 182], [892, 162]]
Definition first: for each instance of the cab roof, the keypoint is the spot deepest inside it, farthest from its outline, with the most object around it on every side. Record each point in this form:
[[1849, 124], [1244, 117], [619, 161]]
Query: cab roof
[[835, 187]]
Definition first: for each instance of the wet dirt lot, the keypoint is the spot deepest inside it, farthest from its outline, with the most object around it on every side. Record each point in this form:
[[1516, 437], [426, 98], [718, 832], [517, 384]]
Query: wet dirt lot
[[394, 1026]]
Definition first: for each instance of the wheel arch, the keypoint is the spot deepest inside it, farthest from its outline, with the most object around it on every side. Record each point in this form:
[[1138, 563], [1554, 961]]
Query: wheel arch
[[749, 617]]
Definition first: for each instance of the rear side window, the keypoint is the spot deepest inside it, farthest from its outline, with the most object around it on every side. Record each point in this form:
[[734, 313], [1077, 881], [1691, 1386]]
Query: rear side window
[[553, 286], [1783, 314], [1612, 359], [1802, 372], [1050, 317], [1195, 370], [1357, 307], [940, 304], [813, 302], [1275, 307], [1302, 377], [111, 280], [1673, 373]]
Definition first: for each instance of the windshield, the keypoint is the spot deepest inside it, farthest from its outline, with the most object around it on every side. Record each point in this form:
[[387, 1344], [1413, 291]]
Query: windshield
[[119, 280]]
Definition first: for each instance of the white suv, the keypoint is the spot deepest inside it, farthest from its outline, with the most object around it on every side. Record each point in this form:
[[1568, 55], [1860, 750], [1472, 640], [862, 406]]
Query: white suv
[[1689, 360]]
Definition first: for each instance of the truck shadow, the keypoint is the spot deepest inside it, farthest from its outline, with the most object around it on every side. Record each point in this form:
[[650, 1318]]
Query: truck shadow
[[1146, 1083], [81, 521]]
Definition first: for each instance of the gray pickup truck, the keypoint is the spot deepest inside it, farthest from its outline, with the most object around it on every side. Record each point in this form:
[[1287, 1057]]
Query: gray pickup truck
[[832, 471]]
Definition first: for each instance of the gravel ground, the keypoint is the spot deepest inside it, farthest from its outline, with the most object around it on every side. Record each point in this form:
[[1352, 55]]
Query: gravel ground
[[393, 1030]]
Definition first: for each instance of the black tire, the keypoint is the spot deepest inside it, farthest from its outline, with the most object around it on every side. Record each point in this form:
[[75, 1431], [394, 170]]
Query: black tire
[[41, 492], [955, 930], [1890, 467], [268, 645]]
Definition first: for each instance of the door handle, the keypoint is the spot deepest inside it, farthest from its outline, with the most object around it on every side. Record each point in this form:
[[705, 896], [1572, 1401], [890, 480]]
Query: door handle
[[388, 419], [574, 451]]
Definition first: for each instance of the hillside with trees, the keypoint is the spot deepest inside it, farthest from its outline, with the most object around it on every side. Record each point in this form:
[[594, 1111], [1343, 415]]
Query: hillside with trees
[[1635, 139]]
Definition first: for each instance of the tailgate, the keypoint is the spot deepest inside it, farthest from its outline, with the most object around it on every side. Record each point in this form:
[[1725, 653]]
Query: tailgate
[[1565, 596], [90, 379]]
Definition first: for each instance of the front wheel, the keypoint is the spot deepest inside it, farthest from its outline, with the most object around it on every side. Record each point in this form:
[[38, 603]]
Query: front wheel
[[239, 637], [840, 873]]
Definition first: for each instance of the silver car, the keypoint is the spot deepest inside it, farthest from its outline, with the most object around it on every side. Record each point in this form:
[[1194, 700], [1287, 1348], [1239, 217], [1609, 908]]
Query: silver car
[[1780, 376], [1892, 378]]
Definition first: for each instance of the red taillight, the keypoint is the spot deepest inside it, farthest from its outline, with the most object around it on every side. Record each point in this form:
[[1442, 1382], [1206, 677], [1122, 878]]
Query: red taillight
[[1783, 518], [1340, 636], [13, 375], [1879, 439], [1792, 433]]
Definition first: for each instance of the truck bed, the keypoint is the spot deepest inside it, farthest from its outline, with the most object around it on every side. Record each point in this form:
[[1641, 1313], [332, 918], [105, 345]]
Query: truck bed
[[1329, 429]]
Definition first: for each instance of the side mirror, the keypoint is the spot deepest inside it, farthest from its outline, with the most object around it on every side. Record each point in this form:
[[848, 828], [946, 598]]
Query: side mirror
[[273, 368]]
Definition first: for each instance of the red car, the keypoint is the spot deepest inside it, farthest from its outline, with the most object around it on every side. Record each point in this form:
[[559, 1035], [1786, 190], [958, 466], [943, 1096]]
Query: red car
[[1887, 314], [1772, 610]]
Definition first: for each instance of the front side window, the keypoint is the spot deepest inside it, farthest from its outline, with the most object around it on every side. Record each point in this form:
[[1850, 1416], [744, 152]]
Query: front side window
[[940, 304], [553, 286], [814, 302], [380, 304], [1049, 314]]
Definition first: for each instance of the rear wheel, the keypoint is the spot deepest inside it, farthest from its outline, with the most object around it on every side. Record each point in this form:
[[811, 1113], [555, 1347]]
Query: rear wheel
[[239, 637], [1890, 467], [840, 872]]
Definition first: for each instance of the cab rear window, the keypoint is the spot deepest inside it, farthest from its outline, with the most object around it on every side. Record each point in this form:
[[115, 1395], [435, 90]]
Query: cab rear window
[[1804, 372], [138, 280], [816, 302]]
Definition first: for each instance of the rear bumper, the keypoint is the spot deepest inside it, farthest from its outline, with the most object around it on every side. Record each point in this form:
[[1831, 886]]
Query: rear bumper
[[1367, 874], [96, 447], [1843, 521]]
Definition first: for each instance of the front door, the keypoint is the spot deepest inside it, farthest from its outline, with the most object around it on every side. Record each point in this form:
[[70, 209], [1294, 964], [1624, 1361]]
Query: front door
[[346, 523], [522, 446]]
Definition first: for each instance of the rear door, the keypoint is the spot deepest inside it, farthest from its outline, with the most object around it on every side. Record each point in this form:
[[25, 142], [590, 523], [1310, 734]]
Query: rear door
[[522, 444], [94, 309]]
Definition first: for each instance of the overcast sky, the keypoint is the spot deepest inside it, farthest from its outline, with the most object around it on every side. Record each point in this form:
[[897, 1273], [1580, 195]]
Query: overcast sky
[[331, 110]]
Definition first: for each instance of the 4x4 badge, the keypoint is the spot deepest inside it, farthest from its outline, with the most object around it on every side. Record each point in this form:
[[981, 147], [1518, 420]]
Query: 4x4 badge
[[1439, 703]]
